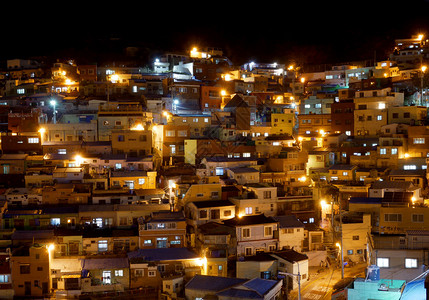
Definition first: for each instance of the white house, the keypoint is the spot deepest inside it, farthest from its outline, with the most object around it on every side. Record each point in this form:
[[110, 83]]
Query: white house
[[243, 175], [255, 233], [291, 232]]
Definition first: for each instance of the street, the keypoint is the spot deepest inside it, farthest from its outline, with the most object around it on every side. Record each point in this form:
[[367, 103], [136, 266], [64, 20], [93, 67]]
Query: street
[[320, 286]]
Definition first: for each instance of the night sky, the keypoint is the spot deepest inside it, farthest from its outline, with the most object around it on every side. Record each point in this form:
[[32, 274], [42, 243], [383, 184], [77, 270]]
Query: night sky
[[314, 32]]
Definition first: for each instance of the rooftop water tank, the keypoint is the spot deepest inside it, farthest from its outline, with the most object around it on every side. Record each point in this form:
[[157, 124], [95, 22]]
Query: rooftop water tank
[[373, 273]]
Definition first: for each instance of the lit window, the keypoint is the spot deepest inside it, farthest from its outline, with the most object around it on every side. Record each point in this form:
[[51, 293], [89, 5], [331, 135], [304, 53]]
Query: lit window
[[410, 263], [379, 117], [119, 273], [55, 221], [62, 151], [410, 167], [383, 151], [102, 245], [34, 140], [172, 149], [394, 151], [382, 262], [248, 210], [247, 154], [141, 180], [219, 171], [418, 140], [381, 105]]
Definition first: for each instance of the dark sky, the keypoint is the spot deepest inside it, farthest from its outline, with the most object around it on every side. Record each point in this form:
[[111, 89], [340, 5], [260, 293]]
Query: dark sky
[[316, 32]]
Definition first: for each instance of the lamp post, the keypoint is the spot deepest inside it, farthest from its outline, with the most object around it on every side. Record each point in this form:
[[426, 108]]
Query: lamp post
[[54, 103], [423, 69]]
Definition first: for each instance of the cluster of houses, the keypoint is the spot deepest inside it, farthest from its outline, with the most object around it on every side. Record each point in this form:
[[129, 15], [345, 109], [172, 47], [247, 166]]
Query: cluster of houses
[[198, 178]]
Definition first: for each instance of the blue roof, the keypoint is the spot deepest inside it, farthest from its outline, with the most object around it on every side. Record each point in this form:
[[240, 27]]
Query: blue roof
[[213, 283], [414, 290], [262, 286], [239, 293]]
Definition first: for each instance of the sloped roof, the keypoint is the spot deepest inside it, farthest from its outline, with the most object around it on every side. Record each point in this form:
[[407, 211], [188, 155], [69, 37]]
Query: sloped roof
[[240, 170], [163, 254], [213, 283], [105, 263], [212, 203], [392, 185], [249, 220], [289, 221], [291, 255], [236, 101]]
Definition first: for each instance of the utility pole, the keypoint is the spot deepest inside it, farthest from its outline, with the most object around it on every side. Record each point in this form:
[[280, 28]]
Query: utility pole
[[342, 246], [299, 278]]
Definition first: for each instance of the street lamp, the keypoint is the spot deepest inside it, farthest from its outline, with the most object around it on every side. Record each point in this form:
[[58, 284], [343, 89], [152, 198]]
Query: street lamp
[[54, 103], [423, 69]]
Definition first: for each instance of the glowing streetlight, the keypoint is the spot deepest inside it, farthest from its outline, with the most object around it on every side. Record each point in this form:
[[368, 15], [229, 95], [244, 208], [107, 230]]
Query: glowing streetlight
[[114, 78], [79, 160]]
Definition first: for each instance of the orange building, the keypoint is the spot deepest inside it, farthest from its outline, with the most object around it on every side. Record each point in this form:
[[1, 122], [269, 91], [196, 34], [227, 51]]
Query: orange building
[[163, 229], [30, 271]]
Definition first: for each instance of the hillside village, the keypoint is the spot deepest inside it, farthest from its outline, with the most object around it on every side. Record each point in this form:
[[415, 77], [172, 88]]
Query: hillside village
[[195, 177]]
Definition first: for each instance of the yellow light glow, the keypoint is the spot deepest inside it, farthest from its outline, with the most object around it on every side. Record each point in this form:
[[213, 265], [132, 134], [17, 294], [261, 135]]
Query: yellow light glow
[[300, 138], [42, 130], [302, 179], [420, 37], [79, 160], [137, 127], [165, 113], [424, 68], [302, 79], [240, 215], [290, 67], [228, 77], [114, 78], [322, 203], [406, 155], [338, 245], [194, 52], [413, 199], [223, 93], [51, 247]]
